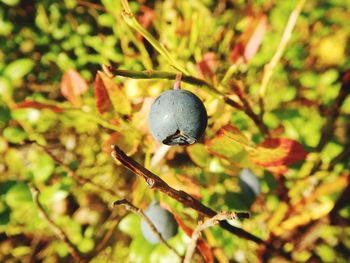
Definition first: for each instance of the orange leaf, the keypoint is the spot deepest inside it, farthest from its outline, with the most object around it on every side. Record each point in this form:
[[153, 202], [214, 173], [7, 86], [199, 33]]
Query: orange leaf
[[103, 103], [72, 86], [281, 169], [255, 39], [207, 65], [37, 105], [120, 102], [127, 141], [250, 40], [278, 152], [147, 16]]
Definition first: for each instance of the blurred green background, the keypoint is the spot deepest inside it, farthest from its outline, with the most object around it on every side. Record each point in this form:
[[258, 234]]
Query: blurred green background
[[54, 136]]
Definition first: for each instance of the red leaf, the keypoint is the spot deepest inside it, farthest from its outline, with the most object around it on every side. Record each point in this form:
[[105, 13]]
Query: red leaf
[[103, 103], [72, 86], [146, 17], [37, 105], [202, 246], [117, 97], [207, 65], [256, 38], [250, 40], [278, 152]]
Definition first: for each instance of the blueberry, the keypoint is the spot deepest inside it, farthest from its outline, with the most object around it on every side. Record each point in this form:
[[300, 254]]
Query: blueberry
[[249, 183], [163, 220], [177, 117]]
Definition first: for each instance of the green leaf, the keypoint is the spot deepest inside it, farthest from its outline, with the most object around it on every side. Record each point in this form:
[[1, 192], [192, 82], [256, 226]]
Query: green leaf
[[5, 88], [4, 213], [18, 195], [19, 68], [130, 225], [231, 145], [198, 154], [21, 251], [86, 245], [140, 250], [14, 134], [5, 114], [237, 201], [10, 2], [41, 166]]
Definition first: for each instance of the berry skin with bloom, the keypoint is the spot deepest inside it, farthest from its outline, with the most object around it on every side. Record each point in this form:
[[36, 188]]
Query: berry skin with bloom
[[163, 220], [177, 117]]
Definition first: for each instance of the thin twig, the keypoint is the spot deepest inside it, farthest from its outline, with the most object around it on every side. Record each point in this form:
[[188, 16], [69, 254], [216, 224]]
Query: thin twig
[[201, 227], [269, 68], [55, 228], [155, 182], [130, 19], [155, 74], [129, 206], [177, 84]]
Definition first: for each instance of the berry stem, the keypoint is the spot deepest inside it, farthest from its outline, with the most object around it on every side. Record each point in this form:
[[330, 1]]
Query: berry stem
[[177, 84]]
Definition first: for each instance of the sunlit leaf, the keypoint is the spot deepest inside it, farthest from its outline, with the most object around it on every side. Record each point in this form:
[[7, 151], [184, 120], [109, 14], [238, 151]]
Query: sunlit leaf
[[130, 225], [72, 86], [198, 154], [128, 142], [103, 103], [120, 102], [41, 166], [19, 68], [18, 195], [206, 67], [230, 144], [14, 134], [250, 40], [277, 152]]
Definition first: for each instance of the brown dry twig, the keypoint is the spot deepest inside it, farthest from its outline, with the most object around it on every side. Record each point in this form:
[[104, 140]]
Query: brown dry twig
[[204, 225], [150, 74], [155, 182], [129, 206], [55, 228]]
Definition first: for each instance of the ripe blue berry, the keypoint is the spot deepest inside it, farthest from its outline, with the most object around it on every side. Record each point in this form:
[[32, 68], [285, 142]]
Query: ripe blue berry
[[162, 219], [177, 117], [249, 183]]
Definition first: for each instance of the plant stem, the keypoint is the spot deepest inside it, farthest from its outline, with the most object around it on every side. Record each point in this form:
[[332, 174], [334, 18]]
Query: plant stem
[[55, 228], [269, 68], [130, 19], [201, 227]]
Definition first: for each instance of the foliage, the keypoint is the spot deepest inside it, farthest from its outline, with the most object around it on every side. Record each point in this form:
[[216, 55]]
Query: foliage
[[60, 110]]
